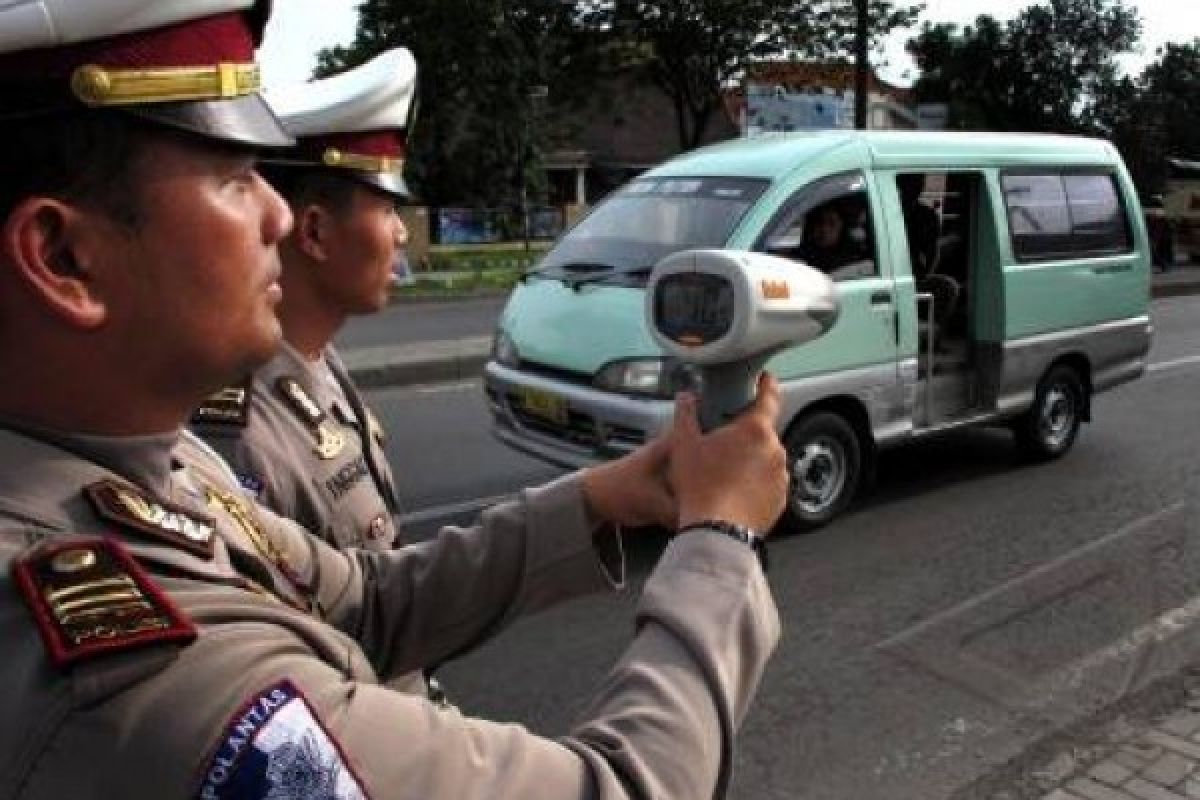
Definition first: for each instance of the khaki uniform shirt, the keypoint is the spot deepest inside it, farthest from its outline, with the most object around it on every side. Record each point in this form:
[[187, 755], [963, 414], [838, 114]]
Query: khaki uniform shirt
[[165, 637], [308, 448]]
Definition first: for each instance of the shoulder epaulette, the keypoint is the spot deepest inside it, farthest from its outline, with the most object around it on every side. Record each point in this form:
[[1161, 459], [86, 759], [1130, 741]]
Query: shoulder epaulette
[[89, 597], [230, 406], [136, 511]]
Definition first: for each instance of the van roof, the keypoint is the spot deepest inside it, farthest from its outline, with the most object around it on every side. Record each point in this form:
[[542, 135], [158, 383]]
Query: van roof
[[772, 155]]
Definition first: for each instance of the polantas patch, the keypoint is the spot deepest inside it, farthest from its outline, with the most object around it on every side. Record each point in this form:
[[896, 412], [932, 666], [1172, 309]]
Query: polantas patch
[[275, 748]]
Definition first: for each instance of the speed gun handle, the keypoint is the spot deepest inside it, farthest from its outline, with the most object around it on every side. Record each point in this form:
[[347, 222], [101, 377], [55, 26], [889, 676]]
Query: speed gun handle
[[727, 389]]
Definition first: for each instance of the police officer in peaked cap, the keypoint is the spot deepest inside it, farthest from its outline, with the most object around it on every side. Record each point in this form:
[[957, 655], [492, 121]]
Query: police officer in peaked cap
[[167, 636], [298, 432]]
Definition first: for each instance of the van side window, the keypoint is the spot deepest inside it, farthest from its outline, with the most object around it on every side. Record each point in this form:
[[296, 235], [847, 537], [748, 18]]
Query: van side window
[[828, 226], [1067, 215]]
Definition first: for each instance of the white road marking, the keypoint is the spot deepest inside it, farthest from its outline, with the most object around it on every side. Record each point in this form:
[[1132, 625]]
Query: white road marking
[[1173, 363]]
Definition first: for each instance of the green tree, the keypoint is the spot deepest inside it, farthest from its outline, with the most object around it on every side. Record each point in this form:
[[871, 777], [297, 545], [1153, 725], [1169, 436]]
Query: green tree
[[479, 65], [692, 49], [1036, 72], [1154, 115]]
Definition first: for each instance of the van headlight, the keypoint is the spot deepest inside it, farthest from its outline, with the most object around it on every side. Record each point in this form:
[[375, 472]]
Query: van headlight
[[504, 350], [653, 377]]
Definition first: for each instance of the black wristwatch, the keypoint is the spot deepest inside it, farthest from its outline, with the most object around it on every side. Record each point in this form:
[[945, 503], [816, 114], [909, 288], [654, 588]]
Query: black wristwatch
[[734, 531]]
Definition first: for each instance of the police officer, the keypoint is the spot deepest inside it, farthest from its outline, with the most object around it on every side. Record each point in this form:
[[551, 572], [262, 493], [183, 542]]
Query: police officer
[[297, 432], [164, 635]]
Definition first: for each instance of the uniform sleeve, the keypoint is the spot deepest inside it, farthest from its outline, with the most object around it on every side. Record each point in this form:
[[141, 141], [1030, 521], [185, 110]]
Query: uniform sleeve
[[419, 605], [662, 724]]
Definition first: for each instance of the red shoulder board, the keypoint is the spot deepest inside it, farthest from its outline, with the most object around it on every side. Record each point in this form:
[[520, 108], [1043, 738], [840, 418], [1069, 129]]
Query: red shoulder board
[[90, 597]]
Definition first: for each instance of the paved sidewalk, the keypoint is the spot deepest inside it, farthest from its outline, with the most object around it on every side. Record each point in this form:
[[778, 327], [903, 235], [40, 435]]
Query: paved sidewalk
[[463, 359]]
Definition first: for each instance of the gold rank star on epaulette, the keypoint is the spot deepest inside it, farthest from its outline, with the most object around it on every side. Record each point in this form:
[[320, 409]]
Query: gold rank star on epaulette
[[89, 597]]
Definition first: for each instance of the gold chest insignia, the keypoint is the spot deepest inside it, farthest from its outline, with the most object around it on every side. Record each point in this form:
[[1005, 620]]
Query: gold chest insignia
[[330, 441], [233, 507]]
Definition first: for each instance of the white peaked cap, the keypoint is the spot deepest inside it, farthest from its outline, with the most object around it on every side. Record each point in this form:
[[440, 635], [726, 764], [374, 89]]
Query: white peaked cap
[[184, 64], [374, 96], [357, 121], [31, 24]]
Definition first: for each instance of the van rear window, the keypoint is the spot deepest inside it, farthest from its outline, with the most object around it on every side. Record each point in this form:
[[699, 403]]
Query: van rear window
[[1053, 216]]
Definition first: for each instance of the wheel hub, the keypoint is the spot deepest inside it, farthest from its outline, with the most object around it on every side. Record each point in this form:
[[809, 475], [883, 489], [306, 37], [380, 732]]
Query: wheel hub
[[1057, 416], [818, 475]]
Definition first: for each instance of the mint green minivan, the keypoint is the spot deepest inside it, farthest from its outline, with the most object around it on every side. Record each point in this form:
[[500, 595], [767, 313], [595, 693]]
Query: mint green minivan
[[984, 279]]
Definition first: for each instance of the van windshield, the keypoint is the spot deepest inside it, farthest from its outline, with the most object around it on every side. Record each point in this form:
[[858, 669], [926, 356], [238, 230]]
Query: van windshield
[[651, 218]]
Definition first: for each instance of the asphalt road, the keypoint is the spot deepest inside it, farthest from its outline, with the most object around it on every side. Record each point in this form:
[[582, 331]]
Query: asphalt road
[[971, 606], [404, 323]]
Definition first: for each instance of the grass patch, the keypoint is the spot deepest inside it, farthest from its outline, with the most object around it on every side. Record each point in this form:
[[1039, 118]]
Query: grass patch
[[461, 283]]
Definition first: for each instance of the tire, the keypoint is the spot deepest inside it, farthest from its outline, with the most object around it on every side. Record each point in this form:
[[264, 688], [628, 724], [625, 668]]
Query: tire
[[825, 469], [1049, 428]]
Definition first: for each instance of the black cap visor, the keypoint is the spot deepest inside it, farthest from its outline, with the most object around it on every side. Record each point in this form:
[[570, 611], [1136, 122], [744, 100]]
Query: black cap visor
[[390, 182], [246, 120]]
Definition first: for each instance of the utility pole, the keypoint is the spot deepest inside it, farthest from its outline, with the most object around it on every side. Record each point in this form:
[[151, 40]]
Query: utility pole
[[860, 65]]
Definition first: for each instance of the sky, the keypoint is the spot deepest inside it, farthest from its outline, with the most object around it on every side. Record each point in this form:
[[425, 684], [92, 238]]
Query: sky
[[299, 28]]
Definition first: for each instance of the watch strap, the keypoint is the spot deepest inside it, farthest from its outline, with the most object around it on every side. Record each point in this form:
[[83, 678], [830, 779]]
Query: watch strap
[[741, 533]]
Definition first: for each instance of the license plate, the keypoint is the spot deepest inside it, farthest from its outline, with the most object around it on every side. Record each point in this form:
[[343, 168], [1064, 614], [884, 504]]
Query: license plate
[[543, 404]]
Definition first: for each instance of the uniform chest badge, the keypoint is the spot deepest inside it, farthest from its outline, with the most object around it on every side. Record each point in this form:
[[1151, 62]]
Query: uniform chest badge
[[133, 510], [230, 406], [90, 597], [276, 748], [330, 440]]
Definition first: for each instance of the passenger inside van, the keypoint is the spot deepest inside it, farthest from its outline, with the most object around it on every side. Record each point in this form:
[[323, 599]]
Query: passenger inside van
[[830, 243], [922, 226]]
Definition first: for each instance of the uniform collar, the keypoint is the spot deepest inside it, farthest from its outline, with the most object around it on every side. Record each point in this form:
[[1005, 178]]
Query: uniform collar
[[289, 363], [144, 460]]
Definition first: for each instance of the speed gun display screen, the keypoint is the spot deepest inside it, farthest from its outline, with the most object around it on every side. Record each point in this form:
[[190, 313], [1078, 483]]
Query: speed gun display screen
[[693, 309]]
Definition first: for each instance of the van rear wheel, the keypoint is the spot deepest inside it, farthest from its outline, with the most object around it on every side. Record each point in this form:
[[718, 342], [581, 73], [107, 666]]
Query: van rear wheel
[[824, 470], [1050, 427]]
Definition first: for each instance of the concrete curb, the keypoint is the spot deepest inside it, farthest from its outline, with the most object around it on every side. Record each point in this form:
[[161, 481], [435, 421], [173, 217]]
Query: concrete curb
[[425, 362], [450, 360]]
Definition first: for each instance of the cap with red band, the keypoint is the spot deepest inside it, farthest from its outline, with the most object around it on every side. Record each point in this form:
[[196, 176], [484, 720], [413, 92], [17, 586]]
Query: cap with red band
[[186, 64], [357, 121]]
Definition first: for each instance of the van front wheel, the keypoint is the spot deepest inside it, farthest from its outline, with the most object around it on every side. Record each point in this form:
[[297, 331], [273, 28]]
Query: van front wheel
[[1049, 428], [824, 470]]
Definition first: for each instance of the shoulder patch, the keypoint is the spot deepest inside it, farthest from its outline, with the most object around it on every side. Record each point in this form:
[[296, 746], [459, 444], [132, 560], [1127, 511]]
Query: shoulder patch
[[275, 748], [90, 597], [168, 522], [230, 406], [329, 440]]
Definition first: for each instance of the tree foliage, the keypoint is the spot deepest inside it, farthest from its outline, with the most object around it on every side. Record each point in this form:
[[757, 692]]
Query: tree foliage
[[692, 49], [1154, 115], [479, 63], [480, 123], [1037, 72]]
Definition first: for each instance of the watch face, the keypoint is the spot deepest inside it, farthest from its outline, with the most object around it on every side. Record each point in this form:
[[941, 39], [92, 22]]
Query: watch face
[[693, 309]]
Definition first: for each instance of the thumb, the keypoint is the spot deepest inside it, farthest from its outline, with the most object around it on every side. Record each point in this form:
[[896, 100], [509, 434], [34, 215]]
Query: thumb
[[686, 425]]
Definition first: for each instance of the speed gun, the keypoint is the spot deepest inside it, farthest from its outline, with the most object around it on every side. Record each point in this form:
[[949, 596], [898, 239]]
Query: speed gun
[[724, 313]]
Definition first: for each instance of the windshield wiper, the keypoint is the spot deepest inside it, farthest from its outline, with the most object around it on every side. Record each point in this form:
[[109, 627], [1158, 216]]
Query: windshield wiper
[[564, 272], [613, 273]]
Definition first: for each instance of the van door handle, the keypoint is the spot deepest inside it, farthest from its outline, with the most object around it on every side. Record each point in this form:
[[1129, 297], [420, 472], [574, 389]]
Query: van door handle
[[882, 298]]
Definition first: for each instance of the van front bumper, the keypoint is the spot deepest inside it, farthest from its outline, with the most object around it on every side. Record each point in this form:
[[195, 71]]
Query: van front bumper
[[595, 427]]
